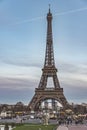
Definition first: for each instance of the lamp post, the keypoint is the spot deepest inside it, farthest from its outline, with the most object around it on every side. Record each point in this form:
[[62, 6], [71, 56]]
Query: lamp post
[[6, 127]]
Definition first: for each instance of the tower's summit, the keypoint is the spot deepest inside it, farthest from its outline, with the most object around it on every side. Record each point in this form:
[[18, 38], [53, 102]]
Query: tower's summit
[[49, 15]]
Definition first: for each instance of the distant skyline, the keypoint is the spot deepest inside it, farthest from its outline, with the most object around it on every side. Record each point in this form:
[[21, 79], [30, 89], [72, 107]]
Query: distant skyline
[[23, 30]]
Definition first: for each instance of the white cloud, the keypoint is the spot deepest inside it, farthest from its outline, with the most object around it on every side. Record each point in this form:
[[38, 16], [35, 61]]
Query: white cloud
[[71, 11]]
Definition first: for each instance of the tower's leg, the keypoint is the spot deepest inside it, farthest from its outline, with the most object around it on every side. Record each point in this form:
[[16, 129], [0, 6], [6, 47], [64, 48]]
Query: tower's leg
[[43, 82]]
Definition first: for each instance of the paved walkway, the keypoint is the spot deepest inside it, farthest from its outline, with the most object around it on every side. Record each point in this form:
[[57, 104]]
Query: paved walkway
[[77, 127], [72, 127], [62, 128]]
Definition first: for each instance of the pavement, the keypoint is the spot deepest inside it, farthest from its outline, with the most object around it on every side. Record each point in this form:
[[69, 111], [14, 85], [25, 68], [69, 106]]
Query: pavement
[[62, 128], [77, 127], [72, 127]]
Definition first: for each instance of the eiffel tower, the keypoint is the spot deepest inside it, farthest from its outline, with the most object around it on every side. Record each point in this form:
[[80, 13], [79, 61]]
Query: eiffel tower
[[43, 93]]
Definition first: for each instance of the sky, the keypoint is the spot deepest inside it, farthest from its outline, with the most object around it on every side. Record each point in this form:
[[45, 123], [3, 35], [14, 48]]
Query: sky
[[23, 30]]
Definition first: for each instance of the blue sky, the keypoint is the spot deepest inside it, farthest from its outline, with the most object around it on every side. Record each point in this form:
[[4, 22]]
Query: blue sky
[[23, 28]]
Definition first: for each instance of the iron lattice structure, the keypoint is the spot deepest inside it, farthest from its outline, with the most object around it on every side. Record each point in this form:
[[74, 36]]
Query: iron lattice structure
[[49, 70]]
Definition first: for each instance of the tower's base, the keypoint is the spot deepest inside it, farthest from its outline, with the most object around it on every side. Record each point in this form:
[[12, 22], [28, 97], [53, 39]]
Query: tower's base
[[48, 93]]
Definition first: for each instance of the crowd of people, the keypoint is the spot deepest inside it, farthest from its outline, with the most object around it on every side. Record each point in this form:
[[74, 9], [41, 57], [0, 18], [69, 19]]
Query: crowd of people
[[70, 120]]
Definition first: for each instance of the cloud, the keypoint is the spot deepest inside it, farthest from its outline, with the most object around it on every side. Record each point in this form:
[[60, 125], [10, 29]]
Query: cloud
[[10, 21], [73, 68], [67, 67], [61, 13], [68, 73], [75, 82], [7, 21], [17, 88], [75, 92], [72, 77], [17, 83], [12, 96], [63, 67], [75, 89], [71, 11], [28, 20], [24, 62]]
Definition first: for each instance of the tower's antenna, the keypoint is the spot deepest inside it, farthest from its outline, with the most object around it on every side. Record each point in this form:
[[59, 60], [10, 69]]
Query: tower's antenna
[[49, 8]]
